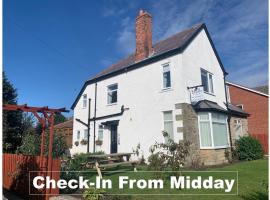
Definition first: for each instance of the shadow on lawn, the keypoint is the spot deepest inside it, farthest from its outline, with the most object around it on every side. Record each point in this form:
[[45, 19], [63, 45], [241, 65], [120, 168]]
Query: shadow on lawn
[[255, 196]]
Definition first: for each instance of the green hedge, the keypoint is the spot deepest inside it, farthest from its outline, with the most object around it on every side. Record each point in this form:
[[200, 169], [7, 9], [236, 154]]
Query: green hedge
[[248, 148]]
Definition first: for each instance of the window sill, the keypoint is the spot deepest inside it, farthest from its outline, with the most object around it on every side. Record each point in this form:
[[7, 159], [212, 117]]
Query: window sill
[[112, 104], [213, 148], [212, 94], [166, 89]]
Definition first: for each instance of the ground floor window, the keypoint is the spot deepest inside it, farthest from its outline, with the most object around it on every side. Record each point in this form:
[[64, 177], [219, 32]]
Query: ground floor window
[[100, 132], [213, 130], [168, 124]]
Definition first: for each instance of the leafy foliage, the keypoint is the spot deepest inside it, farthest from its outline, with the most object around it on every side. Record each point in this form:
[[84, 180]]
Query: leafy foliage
[[31, 145], [168, 155], [12, 120], [93, 194], [248, 148], [73, 164]]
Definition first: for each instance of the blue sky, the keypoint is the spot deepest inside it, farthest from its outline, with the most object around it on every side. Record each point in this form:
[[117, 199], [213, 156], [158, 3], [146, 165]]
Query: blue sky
[[50, 47]]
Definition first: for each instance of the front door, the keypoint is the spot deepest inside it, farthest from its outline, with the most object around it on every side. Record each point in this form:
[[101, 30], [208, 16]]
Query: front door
[[113, 138]]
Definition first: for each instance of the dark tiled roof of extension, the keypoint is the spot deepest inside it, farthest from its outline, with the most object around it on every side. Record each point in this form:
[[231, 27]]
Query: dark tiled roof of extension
[[66, 124], [235, 110], [174, 42], [206, 105]]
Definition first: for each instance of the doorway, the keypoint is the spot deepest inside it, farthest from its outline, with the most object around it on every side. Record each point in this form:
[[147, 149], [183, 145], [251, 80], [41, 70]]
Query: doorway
[[113, 138]]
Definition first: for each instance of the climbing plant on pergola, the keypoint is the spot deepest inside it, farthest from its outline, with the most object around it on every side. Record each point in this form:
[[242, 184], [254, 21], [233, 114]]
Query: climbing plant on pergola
[[45, 116]]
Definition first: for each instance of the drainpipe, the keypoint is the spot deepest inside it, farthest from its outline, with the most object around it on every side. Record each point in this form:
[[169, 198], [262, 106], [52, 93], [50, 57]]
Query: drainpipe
[[229, 116], [95, 113], [88, 125]]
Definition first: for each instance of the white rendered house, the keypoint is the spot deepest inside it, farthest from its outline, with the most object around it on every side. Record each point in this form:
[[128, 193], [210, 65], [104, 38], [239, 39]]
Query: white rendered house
[[134, 100]]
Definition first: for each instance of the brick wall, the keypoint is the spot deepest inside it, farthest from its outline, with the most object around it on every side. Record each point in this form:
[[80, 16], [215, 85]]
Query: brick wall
[[256, 105]]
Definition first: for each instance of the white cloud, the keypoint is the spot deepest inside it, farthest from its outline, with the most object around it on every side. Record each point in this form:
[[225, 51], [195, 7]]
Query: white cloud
[[238, 28]]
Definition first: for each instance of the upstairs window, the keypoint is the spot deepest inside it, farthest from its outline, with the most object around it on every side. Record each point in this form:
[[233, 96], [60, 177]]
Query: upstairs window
[[166, 76], [112, 94], [84, 101], [168, 125], [207, 81]]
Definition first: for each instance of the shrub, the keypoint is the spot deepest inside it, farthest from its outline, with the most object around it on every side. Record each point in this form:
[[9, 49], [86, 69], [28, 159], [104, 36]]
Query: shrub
[[169, 154], [93, 194], [248, 148], [74, 165]]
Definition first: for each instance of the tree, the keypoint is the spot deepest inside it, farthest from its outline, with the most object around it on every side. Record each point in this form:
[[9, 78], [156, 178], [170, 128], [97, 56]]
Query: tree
[[58, 118], [12, 120], [31, 145]]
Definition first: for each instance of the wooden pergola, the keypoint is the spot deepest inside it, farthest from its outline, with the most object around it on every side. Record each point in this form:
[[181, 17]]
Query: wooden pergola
[[45, 115]]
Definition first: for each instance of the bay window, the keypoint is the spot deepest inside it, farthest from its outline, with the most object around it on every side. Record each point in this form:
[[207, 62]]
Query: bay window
[[213, 130]]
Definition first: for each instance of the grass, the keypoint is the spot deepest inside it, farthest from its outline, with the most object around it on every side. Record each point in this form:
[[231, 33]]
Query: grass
[[251, 175]]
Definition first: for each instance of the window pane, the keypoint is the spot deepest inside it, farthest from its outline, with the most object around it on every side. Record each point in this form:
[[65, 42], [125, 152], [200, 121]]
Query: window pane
[[112, 94], [168, 127], [219, 118], [204, 81], [166, 79], [78, 135], [168, 116], [211, 83], [113, 87], [204, 116], [114, 97], [205, 134], [220, 134], [100, 133], [84, 100], [85, 134], [166, 68]]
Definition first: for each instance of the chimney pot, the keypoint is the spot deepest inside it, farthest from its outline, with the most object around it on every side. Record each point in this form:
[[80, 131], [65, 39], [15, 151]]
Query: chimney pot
[[143, 36]]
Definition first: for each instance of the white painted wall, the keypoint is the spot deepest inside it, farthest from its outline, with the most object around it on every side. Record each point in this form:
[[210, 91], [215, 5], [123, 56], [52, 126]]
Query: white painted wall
[[140, 90]]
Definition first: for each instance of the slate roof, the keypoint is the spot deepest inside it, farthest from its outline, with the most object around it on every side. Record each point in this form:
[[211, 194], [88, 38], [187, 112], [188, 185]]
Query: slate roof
[[177, 42], [206, 105], [235, 110], [263, 89]]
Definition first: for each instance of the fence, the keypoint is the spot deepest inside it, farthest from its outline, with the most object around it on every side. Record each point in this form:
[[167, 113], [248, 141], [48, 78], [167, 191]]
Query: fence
[[263, 138], [16, 177]]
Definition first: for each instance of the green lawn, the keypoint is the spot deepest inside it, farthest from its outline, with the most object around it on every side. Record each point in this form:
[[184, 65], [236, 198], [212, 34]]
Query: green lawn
[[251, 175]]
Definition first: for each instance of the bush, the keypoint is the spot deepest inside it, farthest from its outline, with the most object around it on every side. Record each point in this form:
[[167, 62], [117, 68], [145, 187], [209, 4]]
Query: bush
[[248, 148], [31, 145], [74, 165]]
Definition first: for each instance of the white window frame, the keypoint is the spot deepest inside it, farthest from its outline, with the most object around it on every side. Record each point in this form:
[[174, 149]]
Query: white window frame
[[238, 122], [211, 131], [240, 106], [110, 91], [78, 136], [168, 121], [101, 128], [169, 66], [85, 134], [210, 84], [84, 100]]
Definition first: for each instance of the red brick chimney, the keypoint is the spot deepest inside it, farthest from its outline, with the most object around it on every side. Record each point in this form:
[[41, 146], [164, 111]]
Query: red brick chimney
[[143, 36]]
